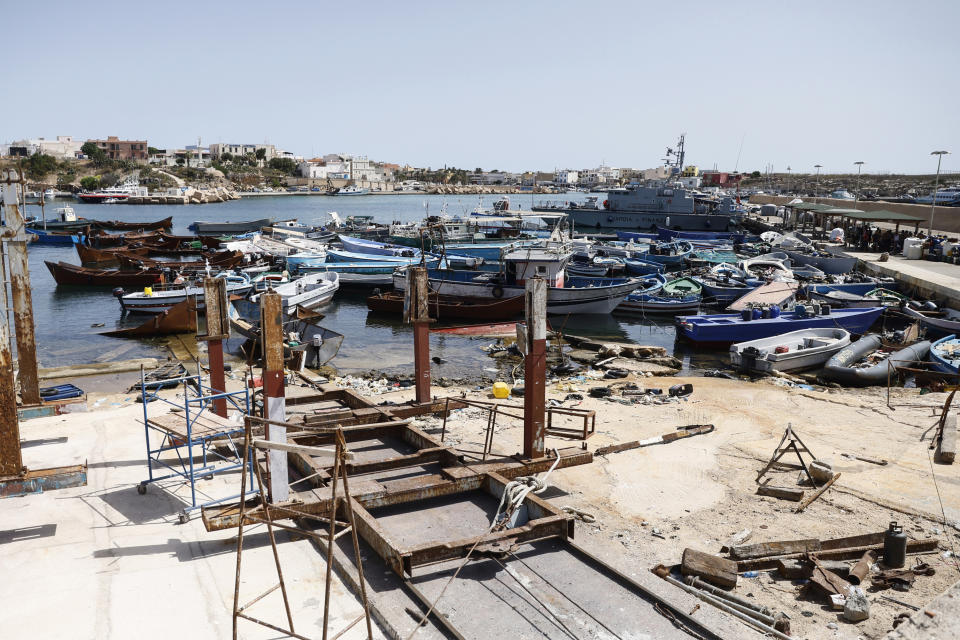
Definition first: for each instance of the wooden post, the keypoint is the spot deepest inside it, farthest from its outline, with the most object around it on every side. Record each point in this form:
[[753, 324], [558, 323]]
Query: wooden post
[[274, 401], [535, 367], [416, 309], [218, 330]]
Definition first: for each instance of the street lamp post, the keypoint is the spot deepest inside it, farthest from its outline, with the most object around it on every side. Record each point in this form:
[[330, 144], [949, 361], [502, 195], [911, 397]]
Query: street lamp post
[[856, 196], [816, 189], [936, 184]]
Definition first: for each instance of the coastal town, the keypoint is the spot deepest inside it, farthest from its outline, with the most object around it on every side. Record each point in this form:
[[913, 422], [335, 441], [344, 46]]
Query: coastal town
[[607, 322]]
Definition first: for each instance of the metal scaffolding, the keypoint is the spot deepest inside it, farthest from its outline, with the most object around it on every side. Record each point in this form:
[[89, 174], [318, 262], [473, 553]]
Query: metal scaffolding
[[192, 428]]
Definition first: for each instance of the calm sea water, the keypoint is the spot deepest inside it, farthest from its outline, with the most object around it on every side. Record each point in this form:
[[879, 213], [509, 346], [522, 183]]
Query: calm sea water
[[65, 315]]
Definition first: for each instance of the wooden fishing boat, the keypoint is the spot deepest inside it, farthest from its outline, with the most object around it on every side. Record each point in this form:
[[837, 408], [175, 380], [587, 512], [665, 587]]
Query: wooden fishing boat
[[653, 304], [873, 298], [791, 351], [318, 345], [864, 363], [72, 275], [204, 227], [442, 306], [180, 318], [119, 225], [722, 290], [670, 254], [490, 330], [220, 260], [681, 287], [936, 322], [308, 291], [640, 266], [90, 256], [726, 328]]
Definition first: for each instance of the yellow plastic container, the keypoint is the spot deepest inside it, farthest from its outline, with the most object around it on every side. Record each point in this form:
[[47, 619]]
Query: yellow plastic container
[[148, 291], [501, 390]]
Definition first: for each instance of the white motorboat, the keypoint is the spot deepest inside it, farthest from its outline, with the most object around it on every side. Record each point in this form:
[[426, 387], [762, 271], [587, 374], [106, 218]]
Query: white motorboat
[[158, 299], [309, 291], [801, 349]]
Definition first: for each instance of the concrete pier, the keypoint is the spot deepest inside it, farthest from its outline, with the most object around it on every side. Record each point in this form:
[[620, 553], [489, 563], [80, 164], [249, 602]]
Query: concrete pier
[[940, 280]]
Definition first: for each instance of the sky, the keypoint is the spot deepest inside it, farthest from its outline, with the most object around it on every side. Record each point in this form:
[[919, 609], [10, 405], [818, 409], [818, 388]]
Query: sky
[[500, 85]]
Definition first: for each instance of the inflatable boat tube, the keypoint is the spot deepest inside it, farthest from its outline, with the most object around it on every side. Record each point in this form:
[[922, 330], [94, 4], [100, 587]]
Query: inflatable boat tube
[[839, 368]]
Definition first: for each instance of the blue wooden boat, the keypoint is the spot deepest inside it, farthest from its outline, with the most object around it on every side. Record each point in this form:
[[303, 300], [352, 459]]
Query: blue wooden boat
[[372, 247], [722, 289], [627, 236], [639, 266], [653, 304], [727, 328], [945, 354], [856, 288], [668, 235], [489, 251], [58, 238], [338, 255], [670, 254], [304, 260]]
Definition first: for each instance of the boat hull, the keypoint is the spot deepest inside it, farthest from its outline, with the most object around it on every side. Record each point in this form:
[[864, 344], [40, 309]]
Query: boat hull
[[832, 265], [203, 227], [727, 328], [807, 348], [632, 221], [578, 297]]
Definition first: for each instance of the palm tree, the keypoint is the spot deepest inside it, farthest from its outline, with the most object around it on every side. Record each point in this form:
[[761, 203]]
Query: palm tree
[[261, 155]]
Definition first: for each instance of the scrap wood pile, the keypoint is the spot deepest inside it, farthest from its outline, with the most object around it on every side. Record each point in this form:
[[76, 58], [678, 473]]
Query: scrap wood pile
[[834, 572]]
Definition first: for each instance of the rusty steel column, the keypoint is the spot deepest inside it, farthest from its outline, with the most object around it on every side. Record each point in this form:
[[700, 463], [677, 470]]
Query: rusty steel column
[[11, 461], [19, 271], [417, 310], [274, 400], [535, 369], [218, 330]]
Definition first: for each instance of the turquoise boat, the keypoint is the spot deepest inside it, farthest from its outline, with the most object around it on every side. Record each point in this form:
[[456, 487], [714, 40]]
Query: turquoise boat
[[945, 354]]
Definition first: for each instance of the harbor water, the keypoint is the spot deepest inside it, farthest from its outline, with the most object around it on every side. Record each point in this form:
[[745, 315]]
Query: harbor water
[[67, 318]]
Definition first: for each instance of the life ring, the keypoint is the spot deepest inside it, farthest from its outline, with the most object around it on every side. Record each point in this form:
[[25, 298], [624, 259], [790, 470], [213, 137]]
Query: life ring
[[497, 291]]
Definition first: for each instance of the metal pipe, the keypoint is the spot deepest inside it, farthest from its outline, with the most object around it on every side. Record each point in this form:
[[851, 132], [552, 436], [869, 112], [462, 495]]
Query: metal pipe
[[723, 606], [697, 583]]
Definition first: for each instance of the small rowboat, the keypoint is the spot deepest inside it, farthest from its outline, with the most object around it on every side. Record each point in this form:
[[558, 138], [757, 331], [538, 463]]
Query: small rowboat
[[442, 306], [945, 354], [791, 351]]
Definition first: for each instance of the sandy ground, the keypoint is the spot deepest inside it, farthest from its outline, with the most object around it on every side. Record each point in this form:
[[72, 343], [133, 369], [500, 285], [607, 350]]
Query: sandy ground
[[653, 502], [138, 566], [102, 561]]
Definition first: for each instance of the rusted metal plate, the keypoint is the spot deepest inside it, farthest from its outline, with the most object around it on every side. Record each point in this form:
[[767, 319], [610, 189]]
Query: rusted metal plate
[[43, 480]]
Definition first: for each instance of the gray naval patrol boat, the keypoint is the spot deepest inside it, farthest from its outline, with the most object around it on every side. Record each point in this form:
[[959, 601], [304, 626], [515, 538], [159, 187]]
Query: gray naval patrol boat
[[666, 204]]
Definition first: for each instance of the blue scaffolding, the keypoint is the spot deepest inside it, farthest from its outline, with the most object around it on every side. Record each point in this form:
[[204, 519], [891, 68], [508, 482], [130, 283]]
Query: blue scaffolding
[[193, 428]]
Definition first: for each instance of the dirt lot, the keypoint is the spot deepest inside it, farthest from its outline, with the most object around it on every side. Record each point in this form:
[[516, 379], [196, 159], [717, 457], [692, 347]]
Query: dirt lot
[[653, 502]]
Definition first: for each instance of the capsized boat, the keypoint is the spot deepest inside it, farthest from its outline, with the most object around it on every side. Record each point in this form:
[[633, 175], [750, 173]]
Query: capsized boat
[[863, 363], [180, 318], [801, 349], [726, 328], [442, 307]]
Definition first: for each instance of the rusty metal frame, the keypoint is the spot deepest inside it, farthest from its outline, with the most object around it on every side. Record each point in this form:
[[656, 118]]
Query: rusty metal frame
[[589, 417]]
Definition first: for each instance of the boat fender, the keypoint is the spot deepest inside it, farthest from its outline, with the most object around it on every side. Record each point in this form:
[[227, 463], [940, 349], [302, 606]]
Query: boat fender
[[929, 305], [497, 291]]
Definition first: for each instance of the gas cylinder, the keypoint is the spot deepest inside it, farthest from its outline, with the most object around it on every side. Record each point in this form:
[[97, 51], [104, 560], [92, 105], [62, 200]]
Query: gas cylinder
[[894, 547]]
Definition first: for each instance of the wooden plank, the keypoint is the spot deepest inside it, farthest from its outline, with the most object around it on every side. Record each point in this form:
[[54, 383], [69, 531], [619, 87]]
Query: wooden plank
[[827, 581], [853, 541], [776, 548], [316, 452], [819, 492], [851, 553], [947, 445], [784, 493], [714, 569]]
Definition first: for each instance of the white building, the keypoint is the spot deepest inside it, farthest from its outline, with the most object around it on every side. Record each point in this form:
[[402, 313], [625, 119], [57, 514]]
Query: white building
[[63, 147], [217, 149], [566, 176], [601, 175], [325, 170]]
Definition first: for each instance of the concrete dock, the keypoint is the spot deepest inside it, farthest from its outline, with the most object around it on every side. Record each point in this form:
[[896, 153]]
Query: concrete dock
[[940, 280]]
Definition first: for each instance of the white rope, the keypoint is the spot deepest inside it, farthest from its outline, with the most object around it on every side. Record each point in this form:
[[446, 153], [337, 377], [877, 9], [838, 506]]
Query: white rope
[[517, 490]]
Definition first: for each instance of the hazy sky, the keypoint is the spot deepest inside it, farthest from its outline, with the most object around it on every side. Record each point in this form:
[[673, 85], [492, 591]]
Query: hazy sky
[[508, 85]]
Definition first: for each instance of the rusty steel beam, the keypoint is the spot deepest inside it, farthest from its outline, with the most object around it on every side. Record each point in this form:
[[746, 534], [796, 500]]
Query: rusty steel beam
[[42, 480], [535, 369], [454, 480], [11, 460], [18, 266], [218, 330]]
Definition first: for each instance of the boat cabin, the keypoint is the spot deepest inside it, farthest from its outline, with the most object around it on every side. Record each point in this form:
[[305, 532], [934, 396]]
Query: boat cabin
[[65, 214], [544, 262]]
